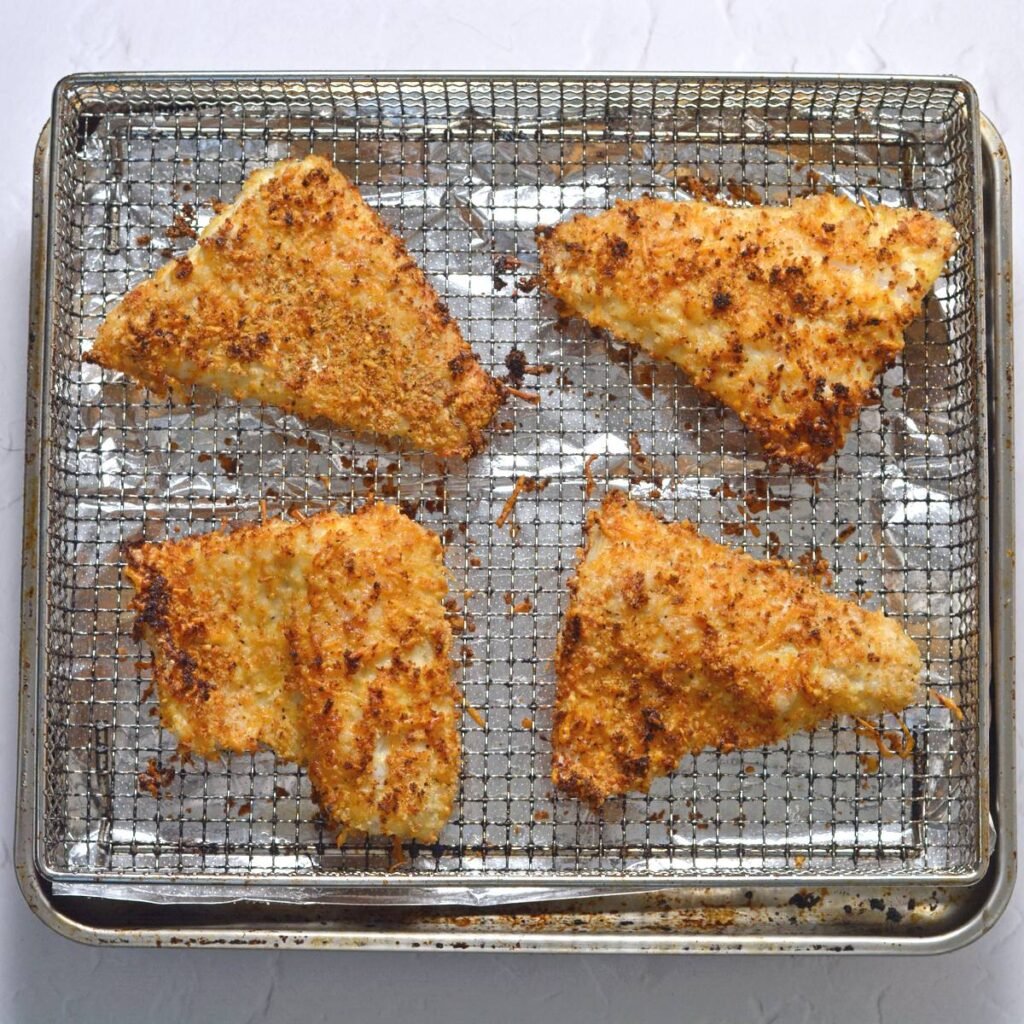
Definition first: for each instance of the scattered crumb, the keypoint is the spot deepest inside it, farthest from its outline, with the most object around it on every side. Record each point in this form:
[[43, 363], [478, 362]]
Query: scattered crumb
[[811, 564], [588, 476], [948, 703], [155, 778], [474, 714], [890, 744], [524, 484], [398, 857], [698, 188], [638, 454], [180, 227], [527, 723], [517, 366], [743, 193], [506, 263], [527, 396]]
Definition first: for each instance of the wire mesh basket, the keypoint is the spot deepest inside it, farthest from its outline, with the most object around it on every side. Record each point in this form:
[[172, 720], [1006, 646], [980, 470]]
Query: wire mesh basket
[[464, 169]]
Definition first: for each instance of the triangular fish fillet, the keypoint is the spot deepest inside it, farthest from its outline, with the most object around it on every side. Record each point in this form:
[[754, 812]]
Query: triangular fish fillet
[[325, 640], [673, 643], [785, 314], [298, 295]]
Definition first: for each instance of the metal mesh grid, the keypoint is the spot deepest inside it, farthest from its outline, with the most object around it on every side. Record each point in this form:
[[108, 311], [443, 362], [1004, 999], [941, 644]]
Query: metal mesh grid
[[463, 170]]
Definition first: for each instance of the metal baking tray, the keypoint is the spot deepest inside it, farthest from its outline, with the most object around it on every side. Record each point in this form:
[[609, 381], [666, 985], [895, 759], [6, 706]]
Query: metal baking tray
[[811, 844]]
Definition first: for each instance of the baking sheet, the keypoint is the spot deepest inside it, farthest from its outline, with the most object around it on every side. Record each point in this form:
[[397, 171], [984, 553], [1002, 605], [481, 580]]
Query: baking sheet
[[892, 521]]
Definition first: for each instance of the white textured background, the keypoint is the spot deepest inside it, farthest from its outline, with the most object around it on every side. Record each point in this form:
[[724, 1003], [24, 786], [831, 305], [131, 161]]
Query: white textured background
[[46, 978]]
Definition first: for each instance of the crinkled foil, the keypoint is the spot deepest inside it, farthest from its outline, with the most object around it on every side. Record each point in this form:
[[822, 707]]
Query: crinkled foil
[[892, 521]]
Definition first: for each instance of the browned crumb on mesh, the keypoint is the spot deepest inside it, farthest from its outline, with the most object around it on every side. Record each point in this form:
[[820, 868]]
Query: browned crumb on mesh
[[518, 367], [743, 193], [398, 856], [523, 485], [813, 565], [180, 227], [155, 778], [890, 743], [527, 396], [699, 188], [948, 703], [588, 475], [639, 456]]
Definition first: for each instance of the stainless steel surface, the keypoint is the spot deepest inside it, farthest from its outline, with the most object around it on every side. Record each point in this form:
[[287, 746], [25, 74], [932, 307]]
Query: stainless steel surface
[[728, 460]]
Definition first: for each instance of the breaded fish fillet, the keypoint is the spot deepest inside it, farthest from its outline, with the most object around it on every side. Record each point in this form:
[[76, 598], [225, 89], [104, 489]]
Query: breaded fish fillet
[[324, 640], [298, 295], [380, 707], [786, 314], [673, 643]]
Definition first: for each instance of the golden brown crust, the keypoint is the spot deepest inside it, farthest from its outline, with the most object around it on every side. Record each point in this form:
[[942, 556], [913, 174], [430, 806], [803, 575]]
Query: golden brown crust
[[381, 721], [785, 314], [324, 640], [673, 643], [298, 295]]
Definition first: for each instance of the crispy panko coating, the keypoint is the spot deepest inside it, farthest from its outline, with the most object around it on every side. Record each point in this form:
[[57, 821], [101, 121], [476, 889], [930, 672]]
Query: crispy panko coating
[[324, 640], [673, 643], [381, 721], [785, 314], [298, 295]]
